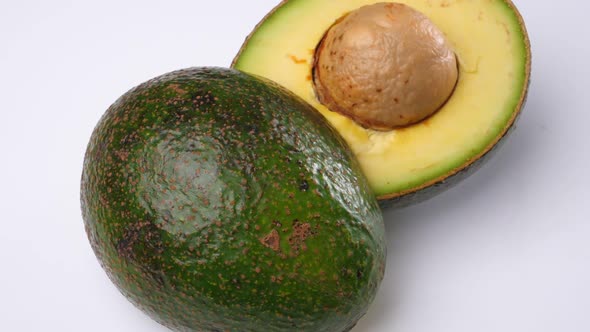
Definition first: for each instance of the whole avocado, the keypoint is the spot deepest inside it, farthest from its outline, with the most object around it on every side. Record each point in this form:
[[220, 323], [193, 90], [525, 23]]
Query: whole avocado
[[219, 201]]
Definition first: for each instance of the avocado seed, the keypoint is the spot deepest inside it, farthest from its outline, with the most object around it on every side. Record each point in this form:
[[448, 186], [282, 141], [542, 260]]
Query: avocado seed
[[384, 65]]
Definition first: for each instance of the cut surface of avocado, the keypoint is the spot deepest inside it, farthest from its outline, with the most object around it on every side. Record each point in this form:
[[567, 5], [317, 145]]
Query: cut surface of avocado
[[493, 52]]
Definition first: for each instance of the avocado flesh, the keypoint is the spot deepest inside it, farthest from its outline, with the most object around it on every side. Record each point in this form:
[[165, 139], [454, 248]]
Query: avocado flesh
[[493, 51], [217, 201]]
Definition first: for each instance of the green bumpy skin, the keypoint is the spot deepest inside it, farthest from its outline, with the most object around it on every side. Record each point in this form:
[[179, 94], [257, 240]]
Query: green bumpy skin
[[218, 201]]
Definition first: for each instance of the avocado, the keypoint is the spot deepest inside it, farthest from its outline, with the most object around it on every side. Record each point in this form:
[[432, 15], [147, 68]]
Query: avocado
[[219, 201], [425, 151]]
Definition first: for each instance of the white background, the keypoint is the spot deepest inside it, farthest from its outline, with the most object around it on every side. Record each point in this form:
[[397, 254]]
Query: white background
[[507, 250]]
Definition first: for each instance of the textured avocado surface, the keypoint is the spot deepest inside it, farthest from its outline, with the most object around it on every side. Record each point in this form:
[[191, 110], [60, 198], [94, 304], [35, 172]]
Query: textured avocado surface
[[218, 201], [408, 165]]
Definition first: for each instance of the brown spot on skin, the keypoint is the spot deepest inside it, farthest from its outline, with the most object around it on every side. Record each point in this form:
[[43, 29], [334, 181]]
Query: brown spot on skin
[[176, 88], [308, 77], [297, 60], [272, 240], [123, 155], [301, 231]]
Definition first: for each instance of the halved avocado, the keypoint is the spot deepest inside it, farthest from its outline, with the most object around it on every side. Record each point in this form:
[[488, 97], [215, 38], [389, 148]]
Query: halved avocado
[[410, 164]]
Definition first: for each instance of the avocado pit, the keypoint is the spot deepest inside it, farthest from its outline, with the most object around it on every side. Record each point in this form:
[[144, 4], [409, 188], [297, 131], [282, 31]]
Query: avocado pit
[[385, 66]]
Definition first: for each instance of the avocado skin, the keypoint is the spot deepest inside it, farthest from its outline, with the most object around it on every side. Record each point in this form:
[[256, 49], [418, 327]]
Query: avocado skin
[[219, 201]]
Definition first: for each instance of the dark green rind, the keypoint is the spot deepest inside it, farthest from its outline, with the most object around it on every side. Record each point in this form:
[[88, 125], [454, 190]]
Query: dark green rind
[[191, 179]]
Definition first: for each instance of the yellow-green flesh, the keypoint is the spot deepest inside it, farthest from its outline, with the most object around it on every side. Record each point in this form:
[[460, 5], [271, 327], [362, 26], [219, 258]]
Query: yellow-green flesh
[[492, 49]]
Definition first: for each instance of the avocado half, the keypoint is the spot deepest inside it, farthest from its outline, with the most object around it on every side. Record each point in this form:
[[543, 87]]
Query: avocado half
[[218, 201], [411, 164]]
